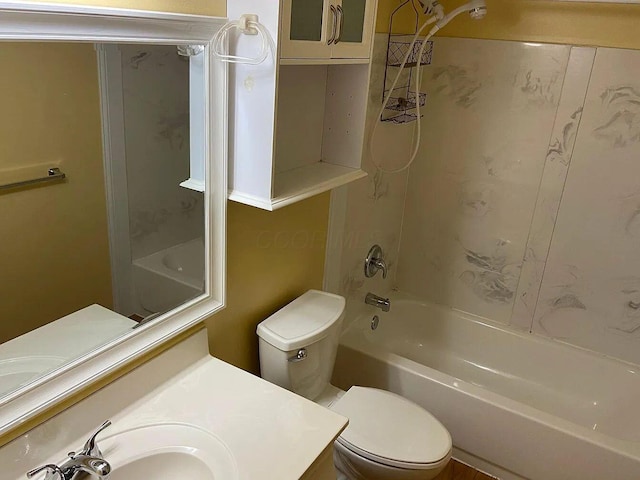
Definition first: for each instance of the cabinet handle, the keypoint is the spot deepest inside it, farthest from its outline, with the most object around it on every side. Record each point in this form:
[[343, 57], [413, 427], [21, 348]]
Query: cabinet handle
[[341, 12], [335, 24]]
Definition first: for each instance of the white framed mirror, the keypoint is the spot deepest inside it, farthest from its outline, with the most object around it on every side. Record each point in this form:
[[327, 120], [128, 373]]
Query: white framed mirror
[[113, 139]]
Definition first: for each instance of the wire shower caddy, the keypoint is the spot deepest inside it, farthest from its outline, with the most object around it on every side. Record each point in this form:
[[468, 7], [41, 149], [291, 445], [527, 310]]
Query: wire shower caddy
[[403, 99]]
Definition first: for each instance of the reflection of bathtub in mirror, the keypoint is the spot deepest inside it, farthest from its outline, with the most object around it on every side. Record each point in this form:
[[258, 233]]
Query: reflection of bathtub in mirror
[[44, 349], [170, 277]]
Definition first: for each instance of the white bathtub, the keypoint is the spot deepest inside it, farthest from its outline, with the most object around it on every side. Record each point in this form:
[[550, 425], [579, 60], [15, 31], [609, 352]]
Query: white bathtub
[[170, 277], [517, 405]]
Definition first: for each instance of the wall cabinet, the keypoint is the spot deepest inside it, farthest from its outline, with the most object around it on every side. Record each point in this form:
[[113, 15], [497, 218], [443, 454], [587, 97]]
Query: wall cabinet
[[297, 122], [327, 29]]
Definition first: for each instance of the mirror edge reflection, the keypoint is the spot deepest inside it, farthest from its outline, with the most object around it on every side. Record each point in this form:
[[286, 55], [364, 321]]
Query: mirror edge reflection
[[21, 21]]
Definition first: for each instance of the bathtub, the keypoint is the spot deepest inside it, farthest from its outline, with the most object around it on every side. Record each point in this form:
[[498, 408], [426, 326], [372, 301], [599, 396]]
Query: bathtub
[[170, 277], [517, 405]]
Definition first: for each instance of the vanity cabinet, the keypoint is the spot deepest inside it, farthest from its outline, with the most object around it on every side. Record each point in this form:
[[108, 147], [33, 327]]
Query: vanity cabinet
[[297, 120], [186, 415], [326, 29], [323, 468]]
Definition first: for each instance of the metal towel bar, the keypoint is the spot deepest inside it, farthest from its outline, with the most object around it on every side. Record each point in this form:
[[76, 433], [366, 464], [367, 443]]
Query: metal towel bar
[[53, 174]]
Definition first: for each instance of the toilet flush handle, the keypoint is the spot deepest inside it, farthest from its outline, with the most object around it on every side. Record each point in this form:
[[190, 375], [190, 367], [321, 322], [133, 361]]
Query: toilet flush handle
[[299, 356]]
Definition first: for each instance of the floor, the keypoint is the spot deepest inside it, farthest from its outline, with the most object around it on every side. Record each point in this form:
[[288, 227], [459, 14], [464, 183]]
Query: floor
[[459, 471]]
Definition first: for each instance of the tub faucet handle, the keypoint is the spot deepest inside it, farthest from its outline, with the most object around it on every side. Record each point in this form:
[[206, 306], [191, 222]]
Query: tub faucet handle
[[375, 262]]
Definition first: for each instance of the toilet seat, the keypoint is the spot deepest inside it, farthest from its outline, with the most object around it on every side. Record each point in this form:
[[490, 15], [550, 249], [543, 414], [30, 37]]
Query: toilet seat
[[390, 430]]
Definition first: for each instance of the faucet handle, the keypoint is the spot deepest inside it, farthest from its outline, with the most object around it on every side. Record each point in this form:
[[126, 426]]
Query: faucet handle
[[51, 470], [91, 447], [380, 265], [375, 262]]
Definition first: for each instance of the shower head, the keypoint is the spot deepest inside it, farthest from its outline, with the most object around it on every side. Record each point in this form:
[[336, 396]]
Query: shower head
[[477, 9]]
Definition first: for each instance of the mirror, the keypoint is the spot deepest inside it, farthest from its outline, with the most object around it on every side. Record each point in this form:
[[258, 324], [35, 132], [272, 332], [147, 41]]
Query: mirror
[[109, 153], [68, 251]]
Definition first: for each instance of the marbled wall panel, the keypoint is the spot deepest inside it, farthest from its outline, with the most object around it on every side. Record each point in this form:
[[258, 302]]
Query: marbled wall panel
[[374, 205], [590, 294], [524, 203], [472, 191], [156, 116], [559, 155]]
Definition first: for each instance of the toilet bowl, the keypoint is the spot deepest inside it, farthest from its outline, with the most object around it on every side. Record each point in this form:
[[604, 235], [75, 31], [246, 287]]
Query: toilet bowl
[[351, 466], [388, 436]]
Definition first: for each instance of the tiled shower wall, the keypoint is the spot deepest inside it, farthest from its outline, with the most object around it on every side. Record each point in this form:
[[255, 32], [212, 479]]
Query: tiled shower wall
[[523, 205]]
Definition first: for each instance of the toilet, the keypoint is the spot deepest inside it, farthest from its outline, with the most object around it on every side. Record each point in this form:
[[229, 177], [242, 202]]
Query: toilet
[[388, 436]]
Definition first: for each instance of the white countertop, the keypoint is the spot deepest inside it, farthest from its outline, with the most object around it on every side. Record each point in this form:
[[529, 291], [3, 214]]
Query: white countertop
[[272, 433]]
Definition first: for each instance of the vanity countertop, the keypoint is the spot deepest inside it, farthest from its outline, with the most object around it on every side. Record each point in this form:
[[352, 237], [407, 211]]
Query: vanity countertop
[[272, 433]]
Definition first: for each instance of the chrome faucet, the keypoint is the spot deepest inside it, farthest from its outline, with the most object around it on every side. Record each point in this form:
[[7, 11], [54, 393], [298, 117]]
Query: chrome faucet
[[88, 461], [383, 304]]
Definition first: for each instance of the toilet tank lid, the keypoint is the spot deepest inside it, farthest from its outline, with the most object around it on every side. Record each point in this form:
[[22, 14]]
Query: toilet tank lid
[[302, 322]]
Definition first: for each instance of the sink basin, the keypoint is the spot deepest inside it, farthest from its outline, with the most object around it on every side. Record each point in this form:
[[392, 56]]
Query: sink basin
[[168, 452]]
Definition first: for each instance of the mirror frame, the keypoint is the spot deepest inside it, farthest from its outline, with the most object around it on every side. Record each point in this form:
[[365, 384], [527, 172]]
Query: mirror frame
[[28, 21]]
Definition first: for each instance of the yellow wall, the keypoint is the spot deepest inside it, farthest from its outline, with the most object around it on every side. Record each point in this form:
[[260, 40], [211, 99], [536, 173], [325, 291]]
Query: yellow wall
[[217, 8], [54, 252], [272, 257], [613, 25]]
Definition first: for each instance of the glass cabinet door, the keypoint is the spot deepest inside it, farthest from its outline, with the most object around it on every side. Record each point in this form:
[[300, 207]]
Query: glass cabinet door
[[306, 20], [353, 12], [305, 25], [355, 29], [327, 29]]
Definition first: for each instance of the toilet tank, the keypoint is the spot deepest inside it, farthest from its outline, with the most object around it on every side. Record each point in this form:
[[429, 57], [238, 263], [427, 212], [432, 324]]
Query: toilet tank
[[298, 343]]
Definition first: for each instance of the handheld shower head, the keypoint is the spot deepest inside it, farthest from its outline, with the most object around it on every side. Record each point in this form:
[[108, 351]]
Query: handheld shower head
[[477, 9]]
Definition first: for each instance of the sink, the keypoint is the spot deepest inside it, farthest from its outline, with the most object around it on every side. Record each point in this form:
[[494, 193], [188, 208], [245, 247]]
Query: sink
[[168, 452]]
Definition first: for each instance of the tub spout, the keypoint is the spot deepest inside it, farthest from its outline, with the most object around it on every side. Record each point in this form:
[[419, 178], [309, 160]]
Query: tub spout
[[383, 304]]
